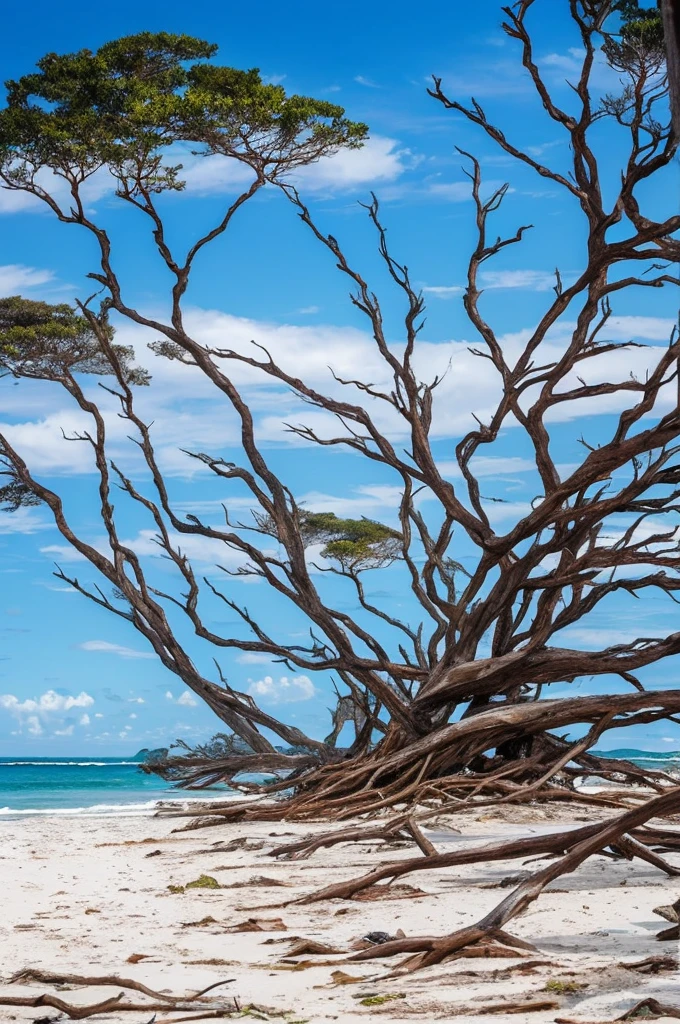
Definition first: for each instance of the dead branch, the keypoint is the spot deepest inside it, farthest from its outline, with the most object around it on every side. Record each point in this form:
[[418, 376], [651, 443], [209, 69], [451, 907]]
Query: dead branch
[[431, 951]]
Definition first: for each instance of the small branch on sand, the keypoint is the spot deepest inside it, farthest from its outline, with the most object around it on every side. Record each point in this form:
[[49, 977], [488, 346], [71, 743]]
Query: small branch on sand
[[162, 1001]]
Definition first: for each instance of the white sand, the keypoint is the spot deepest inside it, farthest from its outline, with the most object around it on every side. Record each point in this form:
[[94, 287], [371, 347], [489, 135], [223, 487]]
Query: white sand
[[80, 895]]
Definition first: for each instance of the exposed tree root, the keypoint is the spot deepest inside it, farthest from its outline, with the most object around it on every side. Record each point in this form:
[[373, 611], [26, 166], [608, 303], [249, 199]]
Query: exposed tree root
[[448, 767], [552, 843], [430, 950]]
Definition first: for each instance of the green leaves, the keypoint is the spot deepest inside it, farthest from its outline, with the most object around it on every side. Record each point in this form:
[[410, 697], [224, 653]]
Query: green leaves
[[357, 544], [126, 105], [16, 495], [640, 37], [47, 342]]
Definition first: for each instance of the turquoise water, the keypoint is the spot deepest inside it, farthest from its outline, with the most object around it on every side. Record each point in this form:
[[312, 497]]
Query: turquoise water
[[660, 760], [110, 786], [88, 785]]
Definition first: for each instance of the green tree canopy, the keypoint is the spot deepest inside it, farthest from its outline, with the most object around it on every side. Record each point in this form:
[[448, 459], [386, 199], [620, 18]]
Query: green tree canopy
[[640, 36], [357, 544], [46, 342], [124, 105]]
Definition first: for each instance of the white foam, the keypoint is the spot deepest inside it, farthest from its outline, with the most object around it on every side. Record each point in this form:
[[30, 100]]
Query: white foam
[[66, 764], [131, 810]]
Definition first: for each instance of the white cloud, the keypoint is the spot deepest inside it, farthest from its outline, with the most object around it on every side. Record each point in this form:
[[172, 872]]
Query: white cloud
[[136, 700], [18, 201], [15, 277], [570, 63], [205, 175], [33, 712], [254, 658], [133, 715], [468, 387], [626, 328], [24, 520], [592, 638], [366, 499], [379, 159], [104, 647], [48, 703], [442, 291], [62, 553], [98, 715], [283, 690], [490, 465], [369, 83], [532, 280], [186, 700], [43, 441], [198, 549]]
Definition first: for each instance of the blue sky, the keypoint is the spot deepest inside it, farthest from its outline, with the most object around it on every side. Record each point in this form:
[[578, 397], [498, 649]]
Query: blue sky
[[72, 679]]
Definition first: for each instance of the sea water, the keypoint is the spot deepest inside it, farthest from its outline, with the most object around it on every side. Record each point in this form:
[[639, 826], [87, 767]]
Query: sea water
[[115, 787], [101, 786]]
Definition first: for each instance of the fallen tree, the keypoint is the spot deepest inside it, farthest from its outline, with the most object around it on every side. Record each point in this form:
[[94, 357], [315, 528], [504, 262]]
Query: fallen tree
[[453, 703]]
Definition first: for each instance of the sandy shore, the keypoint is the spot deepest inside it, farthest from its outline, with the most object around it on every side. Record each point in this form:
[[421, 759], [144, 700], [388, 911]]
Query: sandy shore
[[83, 895]]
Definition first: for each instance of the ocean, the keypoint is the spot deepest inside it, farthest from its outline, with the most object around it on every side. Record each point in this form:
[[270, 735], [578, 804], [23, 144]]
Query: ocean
[[659, 760], [114, 787], [102, 787]]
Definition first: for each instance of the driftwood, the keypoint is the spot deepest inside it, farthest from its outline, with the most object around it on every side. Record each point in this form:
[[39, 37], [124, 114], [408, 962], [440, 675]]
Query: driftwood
[[552, 843], [653, 965], [646, 1009], [433, 950], [196, 1001]]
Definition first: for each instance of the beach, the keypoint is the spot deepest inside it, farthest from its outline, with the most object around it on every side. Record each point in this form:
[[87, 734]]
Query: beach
[[90, 896]]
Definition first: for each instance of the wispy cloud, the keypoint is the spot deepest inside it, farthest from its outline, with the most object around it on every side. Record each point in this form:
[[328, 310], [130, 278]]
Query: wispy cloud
[[367, 82], [24, 520], [531, 280], [15, 277], [254, 658], [104, 647], [442, 291], [362, 500], [490, 466], [62, 553]]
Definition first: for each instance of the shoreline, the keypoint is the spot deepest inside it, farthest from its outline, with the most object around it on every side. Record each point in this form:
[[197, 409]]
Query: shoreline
[[131, 809], [83, 894]]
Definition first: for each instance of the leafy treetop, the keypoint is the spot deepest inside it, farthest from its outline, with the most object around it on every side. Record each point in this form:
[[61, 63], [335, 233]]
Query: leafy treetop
[[47, 342], [120, 106], [357, 544], [641, 35]]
